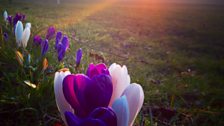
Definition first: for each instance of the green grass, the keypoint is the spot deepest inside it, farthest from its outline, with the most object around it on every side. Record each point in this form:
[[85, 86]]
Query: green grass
[[175, 51]]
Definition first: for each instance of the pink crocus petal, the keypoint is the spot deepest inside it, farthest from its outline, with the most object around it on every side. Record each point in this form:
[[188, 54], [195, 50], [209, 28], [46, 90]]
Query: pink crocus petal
[[61, 102], [120, 80], [135, 98], [94, 70], [68, 90]]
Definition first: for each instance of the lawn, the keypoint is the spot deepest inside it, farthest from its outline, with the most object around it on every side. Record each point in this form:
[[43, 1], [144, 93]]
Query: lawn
[[175, 51]]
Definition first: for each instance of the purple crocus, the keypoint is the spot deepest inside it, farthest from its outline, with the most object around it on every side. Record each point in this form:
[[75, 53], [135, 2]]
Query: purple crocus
[[61, 52], [80, 90], [44, 47], [78, 56], [37, 40], [101, 116], [6, 36], [50, 33], [18, 17], [9, 18], [58, 39], [61, 46]]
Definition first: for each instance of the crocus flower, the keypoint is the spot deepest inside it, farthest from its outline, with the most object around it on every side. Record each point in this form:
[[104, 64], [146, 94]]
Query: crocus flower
[[50, 33], [122, 87], [78, 56], [9, 19], [44, 47], [58, 39], [28, 25], [22, 36], [61, 52], [62, 47], [37, 40], [6, 36], [18, 17], [5, 15], [19, 33]]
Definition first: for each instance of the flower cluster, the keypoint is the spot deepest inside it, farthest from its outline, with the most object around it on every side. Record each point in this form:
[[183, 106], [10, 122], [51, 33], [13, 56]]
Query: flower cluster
[[61, 45], [102, 97]]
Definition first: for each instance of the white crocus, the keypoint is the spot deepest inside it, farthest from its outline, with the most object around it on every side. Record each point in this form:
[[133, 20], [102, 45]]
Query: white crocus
[[19, 33], [61, 102], [120, 80], [122, 87], [22, 36], [26, 36], [5, 15], [28, 25]]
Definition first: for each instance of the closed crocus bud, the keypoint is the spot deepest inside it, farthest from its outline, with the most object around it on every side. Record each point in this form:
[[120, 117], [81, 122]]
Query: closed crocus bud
[[26, 36], [28, 25], [5, 15], [37, 40], [19, 33], [19, 58], [50, 33], [65, 42], [78, 56], [44, 47], [9, 19], [61, 102], [120, 80]]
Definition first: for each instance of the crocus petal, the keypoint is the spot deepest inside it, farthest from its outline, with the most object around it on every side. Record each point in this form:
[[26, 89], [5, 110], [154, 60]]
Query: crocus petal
[[121, 108], [26, 36], [69, 93], [28, 25], [94, 70], [120, 80], [44, 47], [58, 39], [61, 51], [107, 115], [50, 33], [97, 93], [135, 98], [19, 33], [78, 56], [37, 40], [5, 15], [65, 42], [71, 119], [61, 102], [85, 94], [92, 122]]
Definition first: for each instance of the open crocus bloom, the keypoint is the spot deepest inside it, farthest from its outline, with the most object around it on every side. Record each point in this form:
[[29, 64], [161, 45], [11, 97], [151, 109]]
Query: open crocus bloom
[[89, 97], [22, 36], [122, 87]]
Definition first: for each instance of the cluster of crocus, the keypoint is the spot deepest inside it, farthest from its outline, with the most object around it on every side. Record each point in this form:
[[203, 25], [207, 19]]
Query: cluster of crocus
[[44, 43], [102, 97], [22, 36], [61, 45], [13, 21]]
